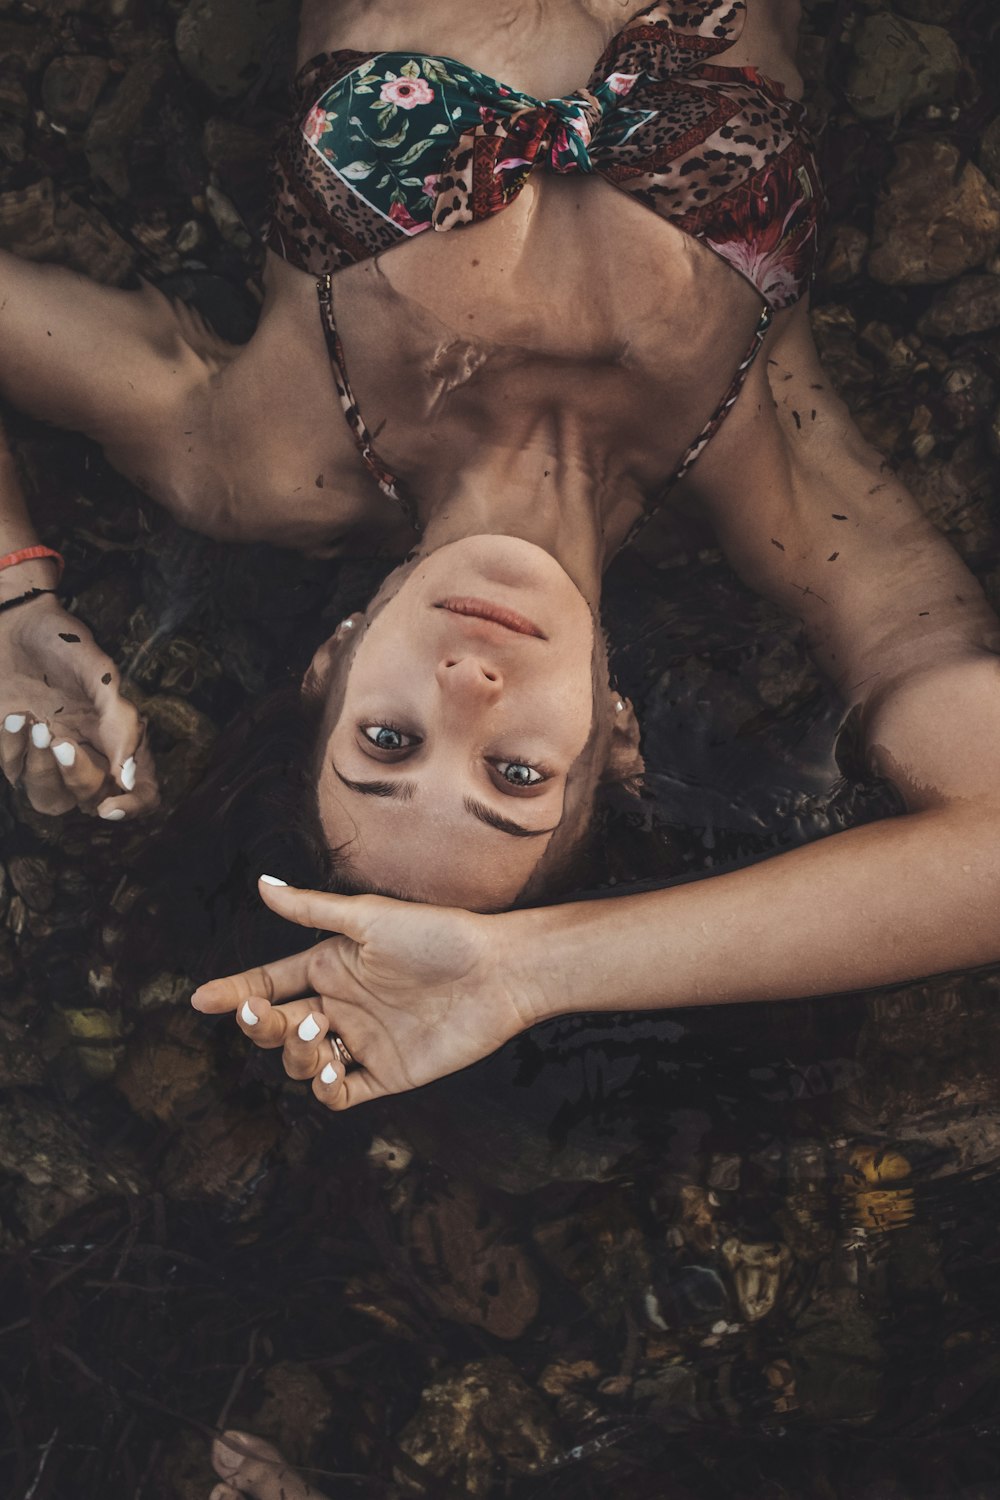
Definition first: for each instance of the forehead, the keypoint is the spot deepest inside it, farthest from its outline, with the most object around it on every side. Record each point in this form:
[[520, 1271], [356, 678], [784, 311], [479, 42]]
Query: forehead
[[440, 855]]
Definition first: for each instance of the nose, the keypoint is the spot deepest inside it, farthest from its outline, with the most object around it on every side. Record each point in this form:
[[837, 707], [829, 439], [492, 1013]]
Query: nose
[[470, 677]]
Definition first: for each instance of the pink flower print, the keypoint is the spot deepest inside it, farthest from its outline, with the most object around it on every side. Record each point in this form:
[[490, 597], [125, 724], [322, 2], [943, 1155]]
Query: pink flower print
[[431, 184], [400, 214], [580, 127], [406, 93], [621, 83], [314, 125]]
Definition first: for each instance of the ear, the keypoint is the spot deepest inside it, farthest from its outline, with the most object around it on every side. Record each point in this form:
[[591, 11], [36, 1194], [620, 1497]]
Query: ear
[[320, 669], [624, 764]]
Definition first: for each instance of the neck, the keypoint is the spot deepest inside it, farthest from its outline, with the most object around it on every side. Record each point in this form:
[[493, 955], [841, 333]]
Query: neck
[[546, 489]]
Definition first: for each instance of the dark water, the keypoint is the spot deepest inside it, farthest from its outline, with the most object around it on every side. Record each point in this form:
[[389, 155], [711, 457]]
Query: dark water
[[742, 1252]]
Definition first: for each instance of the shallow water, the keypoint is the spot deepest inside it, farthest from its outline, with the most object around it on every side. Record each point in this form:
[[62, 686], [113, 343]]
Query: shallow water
[[743, 1251]]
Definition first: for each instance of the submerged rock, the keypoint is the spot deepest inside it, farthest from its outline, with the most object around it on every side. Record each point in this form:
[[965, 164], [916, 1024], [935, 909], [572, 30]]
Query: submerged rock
[[38, 223], [475, 1271], [116, 124], [468, 1424], [167, 1067], [970, 305], [758, 1272], [938, 218], [221, 43], [71, 88], [297, 1407], [51, 1166], [899, 65], [845, 257]]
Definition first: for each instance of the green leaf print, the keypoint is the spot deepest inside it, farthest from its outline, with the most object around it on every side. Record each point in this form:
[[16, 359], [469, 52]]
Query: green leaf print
[[392, 140], [434, 69], [409, 157], [365, 68], [440, 129], [410, 70], [357, 171]]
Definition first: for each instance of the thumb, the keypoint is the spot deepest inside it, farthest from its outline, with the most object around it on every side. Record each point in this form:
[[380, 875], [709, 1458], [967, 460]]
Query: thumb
[[349, 915]]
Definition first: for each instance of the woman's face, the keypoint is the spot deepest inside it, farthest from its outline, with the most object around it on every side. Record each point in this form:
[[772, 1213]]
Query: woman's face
[[458, 746]]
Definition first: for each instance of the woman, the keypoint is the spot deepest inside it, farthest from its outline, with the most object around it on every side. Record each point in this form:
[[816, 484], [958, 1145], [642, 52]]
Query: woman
[[536, 388], [806, 512]]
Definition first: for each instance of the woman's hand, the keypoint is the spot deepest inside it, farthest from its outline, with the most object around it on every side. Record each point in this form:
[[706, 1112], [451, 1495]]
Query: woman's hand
[[68, 736], [415, 992]]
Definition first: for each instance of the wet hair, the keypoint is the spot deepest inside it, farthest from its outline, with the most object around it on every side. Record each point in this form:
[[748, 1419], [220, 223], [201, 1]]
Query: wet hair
[[256, 811]]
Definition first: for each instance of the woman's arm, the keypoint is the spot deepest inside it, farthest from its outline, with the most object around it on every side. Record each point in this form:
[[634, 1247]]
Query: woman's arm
[[812, 517]]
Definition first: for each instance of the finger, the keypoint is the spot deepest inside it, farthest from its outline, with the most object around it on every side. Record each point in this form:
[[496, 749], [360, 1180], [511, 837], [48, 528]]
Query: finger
[[350, 915], [143, 799], [41, 776], [120, 735], [282, 980], [264, 1024], [82, 775], [338, 1090], [13, 746], [306, 1048]]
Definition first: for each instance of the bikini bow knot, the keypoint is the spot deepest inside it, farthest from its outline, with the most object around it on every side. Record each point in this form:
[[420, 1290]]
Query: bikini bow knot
[[493, 159]]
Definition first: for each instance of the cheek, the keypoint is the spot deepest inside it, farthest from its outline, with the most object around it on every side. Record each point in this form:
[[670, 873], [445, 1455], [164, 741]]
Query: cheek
[[567, 704]]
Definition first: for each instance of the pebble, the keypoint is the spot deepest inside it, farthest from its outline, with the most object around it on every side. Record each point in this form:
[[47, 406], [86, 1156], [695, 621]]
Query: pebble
[[900, 65], [937, 219]]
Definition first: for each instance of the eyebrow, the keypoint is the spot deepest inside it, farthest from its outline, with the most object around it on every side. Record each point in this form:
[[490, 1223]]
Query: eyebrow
[[404, 791]]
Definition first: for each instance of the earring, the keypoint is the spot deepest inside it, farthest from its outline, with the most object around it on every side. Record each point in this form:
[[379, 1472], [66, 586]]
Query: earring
[[347, 624], [619, 707]]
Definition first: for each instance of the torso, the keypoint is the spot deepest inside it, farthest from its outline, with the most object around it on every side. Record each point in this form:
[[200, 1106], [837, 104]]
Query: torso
[[575, 300]]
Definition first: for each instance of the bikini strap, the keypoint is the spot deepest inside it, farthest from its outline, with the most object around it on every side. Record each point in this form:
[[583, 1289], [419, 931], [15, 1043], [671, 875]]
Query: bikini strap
[[712, 426], [383, 477]]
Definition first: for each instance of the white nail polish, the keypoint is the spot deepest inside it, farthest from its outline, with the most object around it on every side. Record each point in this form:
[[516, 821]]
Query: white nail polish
[[309, 1029], [329, 1074], [113, 814], [272, 880], [247, 1015], [41, 736], [128, 774], [14, 723], [64, 752]]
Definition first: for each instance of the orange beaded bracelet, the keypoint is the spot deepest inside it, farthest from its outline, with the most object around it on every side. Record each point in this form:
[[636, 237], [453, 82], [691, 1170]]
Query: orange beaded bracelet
[[29, 554]]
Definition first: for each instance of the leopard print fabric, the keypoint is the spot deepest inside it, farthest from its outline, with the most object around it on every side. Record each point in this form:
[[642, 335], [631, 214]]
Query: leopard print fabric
[[719, 152]]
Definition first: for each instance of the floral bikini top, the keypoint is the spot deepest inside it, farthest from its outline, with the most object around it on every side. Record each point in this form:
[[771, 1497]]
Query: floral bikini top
[[388, 145]]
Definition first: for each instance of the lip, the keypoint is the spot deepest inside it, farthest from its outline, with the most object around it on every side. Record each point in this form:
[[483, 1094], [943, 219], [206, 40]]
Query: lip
[[497, 614]]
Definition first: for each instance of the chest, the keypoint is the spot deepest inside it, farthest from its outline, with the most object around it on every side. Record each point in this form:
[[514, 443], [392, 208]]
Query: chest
[[544, 50], [576, 300]]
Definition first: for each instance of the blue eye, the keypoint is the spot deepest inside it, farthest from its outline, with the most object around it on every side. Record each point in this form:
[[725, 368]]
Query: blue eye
[[517, 773], [385, 737]]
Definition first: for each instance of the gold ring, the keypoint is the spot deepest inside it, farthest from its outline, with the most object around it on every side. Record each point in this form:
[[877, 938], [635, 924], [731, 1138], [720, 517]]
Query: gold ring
[[342, 1050]]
